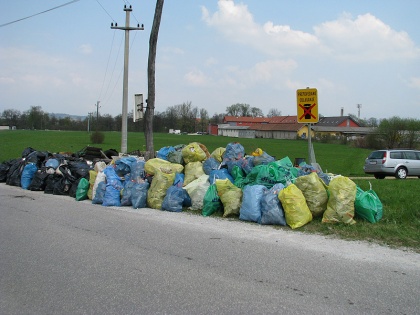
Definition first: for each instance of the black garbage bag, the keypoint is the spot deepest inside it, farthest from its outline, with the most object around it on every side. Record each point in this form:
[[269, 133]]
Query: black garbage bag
[[79, 169], [37, 157], [38, 182], [73, 187], [15, 172], [63, 181], [49, 183], [27, 151], [4, 169]]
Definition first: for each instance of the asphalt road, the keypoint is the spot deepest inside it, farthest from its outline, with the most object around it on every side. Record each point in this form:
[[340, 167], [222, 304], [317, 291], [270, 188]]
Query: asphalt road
[[60, 256]]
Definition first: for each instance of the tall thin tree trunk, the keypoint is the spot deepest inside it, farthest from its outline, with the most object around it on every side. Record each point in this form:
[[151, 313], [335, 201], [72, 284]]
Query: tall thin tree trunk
[[151, 79]]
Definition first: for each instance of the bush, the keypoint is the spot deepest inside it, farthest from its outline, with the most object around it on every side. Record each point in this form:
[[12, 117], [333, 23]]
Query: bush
[[97, 137]]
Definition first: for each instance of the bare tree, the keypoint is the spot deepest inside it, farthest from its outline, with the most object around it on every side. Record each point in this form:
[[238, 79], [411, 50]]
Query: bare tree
[[148, 117], [273, 112], [256, 112]]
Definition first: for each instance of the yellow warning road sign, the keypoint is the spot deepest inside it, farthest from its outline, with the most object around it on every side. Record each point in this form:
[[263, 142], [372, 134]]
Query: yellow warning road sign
[[307, 106]]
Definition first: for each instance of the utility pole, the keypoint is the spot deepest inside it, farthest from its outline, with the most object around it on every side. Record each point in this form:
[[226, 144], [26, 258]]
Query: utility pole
[[97, 115], [127, 29], [359, 106], [89, 118]]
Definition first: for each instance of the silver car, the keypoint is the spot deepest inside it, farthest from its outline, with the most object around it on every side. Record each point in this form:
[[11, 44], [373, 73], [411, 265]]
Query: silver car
[[399, 163]]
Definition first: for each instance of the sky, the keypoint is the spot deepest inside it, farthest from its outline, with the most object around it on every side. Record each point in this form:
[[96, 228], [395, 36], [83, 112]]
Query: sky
[[63, 56]]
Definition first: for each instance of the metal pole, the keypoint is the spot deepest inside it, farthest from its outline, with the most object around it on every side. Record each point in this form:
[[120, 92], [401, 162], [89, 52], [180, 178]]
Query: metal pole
[[124, 115], [125, 83], [97, 115], [309, 144]]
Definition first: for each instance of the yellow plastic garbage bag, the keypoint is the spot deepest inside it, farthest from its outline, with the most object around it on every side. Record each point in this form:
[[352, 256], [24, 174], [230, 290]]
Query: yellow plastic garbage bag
[[340, 206], [194, 152], [160, 183], [192, 171], [92, 178], [217, 154], [315, 193], [257, 152], [152, 165], [295, 208], [230, 196]]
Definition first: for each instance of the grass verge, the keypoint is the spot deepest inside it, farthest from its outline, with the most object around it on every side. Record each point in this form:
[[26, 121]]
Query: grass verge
[[399, 227]]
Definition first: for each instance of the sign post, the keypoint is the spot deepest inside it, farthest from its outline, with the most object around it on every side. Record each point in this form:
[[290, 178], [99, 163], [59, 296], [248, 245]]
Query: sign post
[[307, 113]]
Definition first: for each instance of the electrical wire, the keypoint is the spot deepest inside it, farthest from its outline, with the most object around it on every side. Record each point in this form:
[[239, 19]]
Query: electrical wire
[[105, 10], [28, 17]]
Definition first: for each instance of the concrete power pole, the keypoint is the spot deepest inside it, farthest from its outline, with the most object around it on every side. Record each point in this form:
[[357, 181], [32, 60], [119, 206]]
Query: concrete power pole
[[127, 29]]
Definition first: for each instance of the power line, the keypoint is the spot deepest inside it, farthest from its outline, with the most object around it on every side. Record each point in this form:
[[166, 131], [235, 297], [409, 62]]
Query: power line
[[105, 10], [67, 3]]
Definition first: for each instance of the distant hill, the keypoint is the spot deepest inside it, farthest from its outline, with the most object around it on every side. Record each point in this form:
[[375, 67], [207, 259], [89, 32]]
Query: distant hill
[[72, 117]]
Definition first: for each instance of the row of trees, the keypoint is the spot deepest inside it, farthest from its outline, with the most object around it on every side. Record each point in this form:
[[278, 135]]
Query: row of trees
[[391, 133], [184, 117]]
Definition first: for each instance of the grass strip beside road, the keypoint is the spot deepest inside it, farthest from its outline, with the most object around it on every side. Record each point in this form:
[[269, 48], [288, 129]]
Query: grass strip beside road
[[399, 227]]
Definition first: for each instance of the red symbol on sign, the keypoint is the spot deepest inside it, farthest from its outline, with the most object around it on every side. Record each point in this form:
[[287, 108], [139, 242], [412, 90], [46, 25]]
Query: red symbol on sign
[[307, 111]]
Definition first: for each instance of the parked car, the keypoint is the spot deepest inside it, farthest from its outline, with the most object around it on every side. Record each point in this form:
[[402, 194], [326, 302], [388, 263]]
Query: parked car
[[397, 162]]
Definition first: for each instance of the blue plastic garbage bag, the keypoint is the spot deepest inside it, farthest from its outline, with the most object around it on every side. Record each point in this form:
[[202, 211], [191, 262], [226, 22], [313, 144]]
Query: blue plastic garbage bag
[[174, 199], [126, 193], [163, 152], [210, 164], [27, 175], [234, 150], [123, 165], [100, 193], [271, 209], [139, 195], [137, 171], [112, 196], [179, 179], [264, 158], [251, 199], [222, 173]]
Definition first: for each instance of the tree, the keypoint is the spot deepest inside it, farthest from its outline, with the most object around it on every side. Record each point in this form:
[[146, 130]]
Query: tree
[[204, 118], [11, 117], [392, 132], [273, 112], [148, 118], [233, 110], [412, 133], [256, 112], [35, 114]]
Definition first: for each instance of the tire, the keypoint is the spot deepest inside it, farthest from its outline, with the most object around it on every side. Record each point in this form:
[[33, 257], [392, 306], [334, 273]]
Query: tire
[[377, 176], [401, 173]]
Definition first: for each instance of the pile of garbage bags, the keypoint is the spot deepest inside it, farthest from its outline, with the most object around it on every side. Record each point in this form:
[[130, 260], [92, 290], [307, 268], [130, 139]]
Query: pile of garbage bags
[[256, 187]]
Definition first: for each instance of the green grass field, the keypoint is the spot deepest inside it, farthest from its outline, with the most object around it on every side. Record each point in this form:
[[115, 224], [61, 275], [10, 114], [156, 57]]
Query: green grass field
[[400, 226]]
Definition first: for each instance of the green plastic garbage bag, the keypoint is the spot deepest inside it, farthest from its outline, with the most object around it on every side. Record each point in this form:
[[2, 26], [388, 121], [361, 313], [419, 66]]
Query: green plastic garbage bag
[[211, 201], [82, 189], [367, 205]]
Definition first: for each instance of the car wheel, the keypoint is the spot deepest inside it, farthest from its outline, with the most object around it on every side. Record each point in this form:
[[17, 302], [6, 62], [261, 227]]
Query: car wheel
[[401, 173], [377, 176]]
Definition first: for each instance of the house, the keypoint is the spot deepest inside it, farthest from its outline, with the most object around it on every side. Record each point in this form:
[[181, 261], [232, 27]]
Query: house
[[278, 131], [288, 127], [339, 126], [245, 121], [227, 130]]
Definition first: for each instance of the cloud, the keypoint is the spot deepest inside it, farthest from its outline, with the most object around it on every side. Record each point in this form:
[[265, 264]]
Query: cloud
[[85, 49], [363, 39], [237, 24], [414, 82], [197, 78]]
